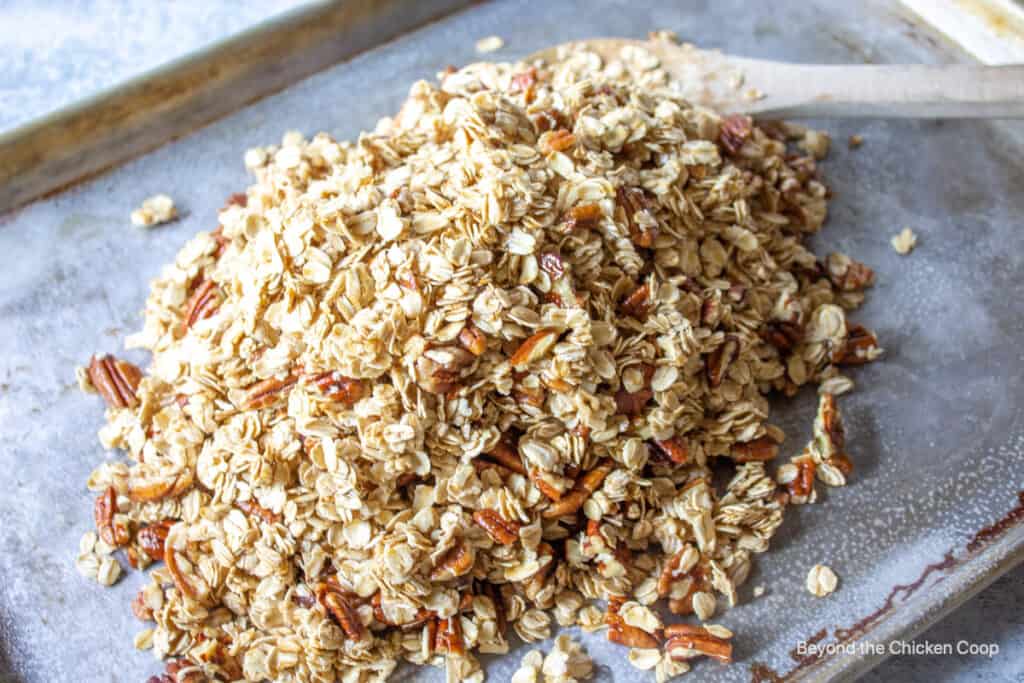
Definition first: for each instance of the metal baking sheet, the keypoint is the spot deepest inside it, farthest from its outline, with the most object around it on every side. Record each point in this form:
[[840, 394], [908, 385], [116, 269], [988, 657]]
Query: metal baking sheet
[[932, 515]]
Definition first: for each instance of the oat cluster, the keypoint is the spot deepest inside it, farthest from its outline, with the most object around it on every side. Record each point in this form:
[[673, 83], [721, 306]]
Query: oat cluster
[[467, 377]]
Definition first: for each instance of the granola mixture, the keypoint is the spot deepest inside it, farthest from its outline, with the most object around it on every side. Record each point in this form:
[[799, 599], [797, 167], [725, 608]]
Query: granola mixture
[[469, 375]]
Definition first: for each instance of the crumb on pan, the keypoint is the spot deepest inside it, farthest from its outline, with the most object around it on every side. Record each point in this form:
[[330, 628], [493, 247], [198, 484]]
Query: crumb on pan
[[489, 44], [154, 211], [904, 241], [468, 376], [821, 581]]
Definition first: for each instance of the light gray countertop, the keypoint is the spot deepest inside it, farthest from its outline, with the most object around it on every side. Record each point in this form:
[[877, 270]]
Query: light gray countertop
[[53, 53]]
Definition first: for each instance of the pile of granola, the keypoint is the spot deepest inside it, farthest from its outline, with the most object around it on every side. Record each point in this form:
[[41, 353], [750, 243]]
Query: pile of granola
[[471, 373]]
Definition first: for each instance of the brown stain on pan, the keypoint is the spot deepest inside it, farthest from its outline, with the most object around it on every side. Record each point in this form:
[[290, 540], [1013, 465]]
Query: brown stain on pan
[[762, 673]]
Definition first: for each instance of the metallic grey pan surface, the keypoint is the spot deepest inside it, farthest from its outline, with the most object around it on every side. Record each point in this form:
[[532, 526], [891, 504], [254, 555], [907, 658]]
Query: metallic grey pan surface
[[933, 512]]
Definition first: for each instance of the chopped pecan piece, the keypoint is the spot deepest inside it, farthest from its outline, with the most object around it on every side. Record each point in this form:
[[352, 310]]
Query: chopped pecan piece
[[494, 593], [145, 486], [267, 392], [637, 304], [449, 636], [534, 348], [632, 403], [141, 608], [584, 216], [506, 455], [203, 303], [524, 79], [720, 359], [151, 538], [254, 509], [782, 335], [547, 488], [757, 450], [115, 380], [337, 387], [585, 486], [340, 607], [847, 274], [686, 642], [734, 131], [440, 372], [113, 534], [472, 339], [675, 449], [861, 347], [556, 141], [643, 226], [503, 531], [457, 561], [803, 484], [624, 634]]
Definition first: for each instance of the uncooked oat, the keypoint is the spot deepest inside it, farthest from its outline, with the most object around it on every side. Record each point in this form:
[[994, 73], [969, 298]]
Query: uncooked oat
[[489, 44], [821, 580], [469, 374], [904, 241], [154, 211]]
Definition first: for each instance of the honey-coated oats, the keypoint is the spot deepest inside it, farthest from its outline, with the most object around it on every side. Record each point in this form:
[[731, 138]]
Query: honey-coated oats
[[467, 375]]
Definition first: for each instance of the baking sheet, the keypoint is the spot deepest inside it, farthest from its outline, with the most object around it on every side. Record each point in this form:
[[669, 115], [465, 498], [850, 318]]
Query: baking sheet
[[935, 428]]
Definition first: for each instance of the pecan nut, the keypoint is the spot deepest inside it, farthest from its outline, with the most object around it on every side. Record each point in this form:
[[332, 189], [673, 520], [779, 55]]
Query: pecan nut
[[584, 487], [152, 537], [267, 392], [115, 380], [472, 339], [720, 359], [758, 450], [534, 348], [449, 636], [456, 562], [734, 131], [687, 642], [337, 387], [503, 531], [640, 220], [638, 303], [113, 534], [340, 607], [557, 140], [675, 449], [202, 304]]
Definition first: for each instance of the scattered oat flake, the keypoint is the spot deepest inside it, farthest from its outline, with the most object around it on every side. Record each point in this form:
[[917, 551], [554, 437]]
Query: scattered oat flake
[[904, 241], [154, 211], [489, 44], [855, 141], [821, 580]]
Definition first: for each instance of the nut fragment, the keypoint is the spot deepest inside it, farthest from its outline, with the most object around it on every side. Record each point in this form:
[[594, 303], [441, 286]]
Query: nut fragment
[[449, 637], [267, 392], [556, 141], [115, 380], [337, 387], [456, 562], [113, 534], [687, 642], [201, 304], [637, 304], [720, 359], [340, 607], [756, 450], [734, 131], [151, 538], [534, 348], [503, 531], [473, 340], [585, 486]]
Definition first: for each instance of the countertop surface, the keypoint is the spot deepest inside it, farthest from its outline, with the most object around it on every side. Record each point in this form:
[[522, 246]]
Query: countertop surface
[[53, 53]]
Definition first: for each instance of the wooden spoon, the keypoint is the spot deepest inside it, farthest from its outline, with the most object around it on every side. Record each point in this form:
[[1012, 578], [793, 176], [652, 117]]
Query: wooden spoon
[[779, 90]]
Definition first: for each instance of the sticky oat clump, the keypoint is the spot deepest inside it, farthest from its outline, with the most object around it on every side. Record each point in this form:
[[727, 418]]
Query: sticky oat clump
[[466, 376]]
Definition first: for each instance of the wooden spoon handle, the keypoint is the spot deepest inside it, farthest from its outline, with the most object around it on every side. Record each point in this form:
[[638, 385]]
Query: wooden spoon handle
[[897, 91]]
